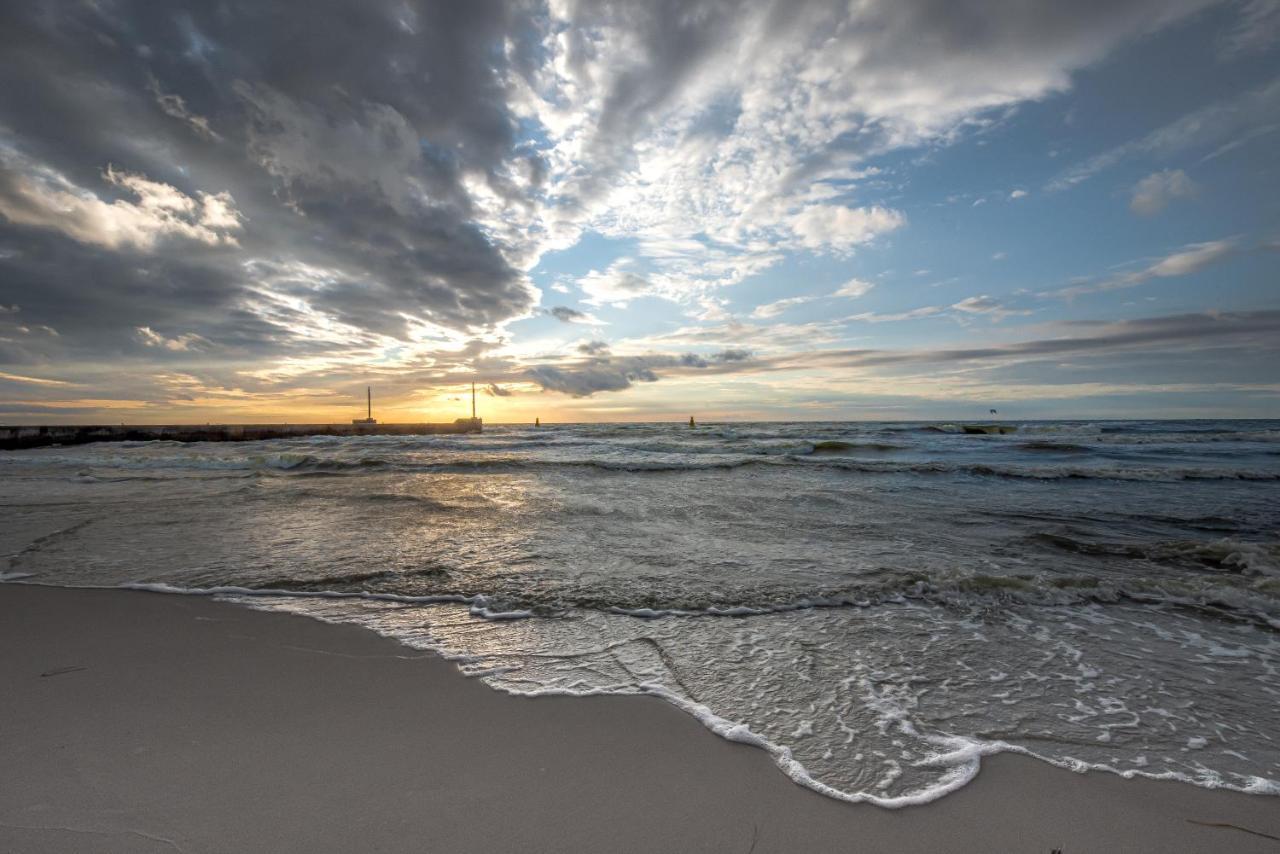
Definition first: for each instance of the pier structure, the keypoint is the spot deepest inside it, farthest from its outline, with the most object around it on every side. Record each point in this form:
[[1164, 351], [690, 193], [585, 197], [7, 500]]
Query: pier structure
[[369, 419], [17, 437]]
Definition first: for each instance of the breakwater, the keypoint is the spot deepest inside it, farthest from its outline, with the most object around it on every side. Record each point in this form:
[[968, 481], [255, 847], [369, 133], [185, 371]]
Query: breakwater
[[17, 437]]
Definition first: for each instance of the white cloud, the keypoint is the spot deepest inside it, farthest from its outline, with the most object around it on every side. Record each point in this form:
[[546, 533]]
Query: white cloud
[[1190, 259], [616, 285], [39, 196], [912, 314], [853, 288], [179, 343], [773, 309], [841, 228], [751, 130], [1018, 194], [20, 378], [987, 305], [1155, 192]]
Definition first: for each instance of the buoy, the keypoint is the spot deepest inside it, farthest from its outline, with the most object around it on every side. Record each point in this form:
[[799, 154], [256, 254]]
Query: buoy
[[537, 422], [691, 424]]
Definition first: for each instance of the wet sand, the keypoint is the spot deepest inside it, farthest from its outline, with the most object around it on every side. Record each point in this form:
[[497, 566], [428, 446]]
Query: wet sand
[[141, 722]]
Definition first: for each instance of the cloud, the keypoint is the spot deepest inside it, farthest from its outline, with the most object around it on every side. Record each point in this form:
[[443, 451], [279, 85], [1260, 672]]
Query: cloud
[[593, 348], [617, 285], [1249, 335], [495, 390], [987, 305], [586, 380], [912, 314], [617, 373], [841, 228], [1255, 329], [1018, 194], [853, 288], [1257, 29], [1155, 192], [220, 150], [1189, 259], [1223, 125], [175, 106], [177, 343], [18, 378], [564, 314], [371, 185], [35, 195], [773, 309]]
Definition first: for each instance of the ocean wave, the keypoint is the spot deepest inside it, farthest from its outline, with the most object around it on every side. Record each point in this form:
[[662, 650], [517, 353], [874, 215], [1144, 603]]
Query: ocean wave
[[479, 605], [1055, 447], [835, 454], [1161, 451], [831, 461], [834, 446], [1227, 554], [1053, 472], [1257, 604], [1238, 581]]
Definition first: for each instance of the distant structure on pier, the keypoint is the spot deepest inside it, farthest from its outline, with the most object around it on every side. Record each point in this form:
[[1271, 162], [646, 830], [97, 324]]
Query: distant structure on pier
[[368, 419]]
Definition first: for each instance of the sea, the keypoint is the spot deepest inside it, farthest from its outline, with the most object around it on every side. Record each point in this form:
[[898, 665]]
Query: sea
[[877, 605]]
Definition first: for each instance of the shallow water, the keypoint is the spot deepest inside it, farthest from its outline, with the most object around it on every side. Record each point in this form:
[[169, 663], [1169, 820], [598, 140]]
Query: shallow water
[[877, 604]]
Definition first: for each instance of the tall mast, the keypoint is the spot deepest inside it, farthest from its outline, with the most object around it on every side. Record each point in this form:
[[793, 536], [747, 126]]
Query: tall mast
[[473, 401], [368, 393]]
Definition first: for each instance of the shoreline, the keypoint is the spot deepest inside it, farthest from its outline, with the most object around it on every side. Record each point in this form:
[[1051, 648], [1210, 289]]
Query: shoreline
[[137, 721]]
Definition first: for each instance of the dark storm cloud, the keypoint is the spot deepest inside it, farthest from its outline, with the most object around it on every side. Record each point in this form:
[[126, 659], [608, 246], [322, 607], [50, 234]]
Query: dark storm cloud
[[342, 135], [585, 380], [564, 314], [615, 373]]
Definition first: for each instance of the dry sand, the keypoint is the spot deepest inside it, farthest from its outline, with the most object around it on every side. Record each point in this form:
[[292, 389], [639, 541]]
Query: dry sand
[[139, 722]]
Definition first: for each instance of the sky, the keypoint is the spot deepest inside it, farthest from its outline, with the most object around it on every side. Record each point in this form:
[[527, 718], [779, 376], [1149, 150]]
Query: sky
[[596, 211]]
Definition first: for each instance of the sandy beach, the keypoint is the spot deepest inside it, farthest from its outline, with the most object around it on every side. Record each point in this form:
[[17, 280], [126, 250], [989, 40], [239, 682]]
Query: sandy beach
[[138, 722]]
